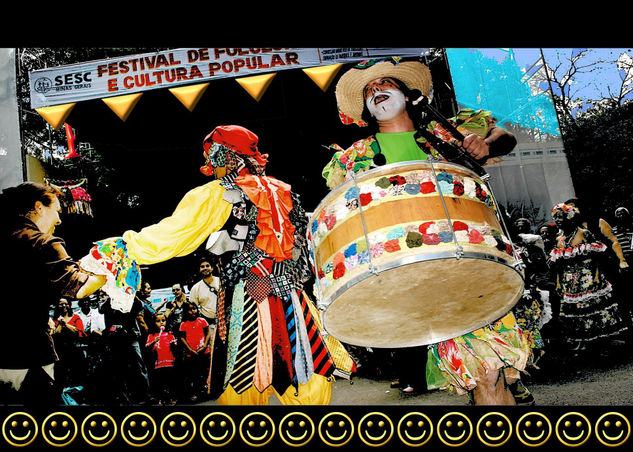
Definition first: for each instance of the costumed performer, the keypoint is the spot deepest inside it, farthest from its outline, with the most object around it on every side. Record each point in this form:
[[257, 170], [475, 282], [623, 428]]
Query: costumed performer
[[381, 94], [268, 338], [590, 315]]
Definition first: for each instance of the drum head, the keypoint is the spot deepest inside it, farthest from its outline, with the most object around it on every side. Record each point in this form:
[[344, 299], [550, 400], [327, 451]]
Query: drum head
[[423, 302]]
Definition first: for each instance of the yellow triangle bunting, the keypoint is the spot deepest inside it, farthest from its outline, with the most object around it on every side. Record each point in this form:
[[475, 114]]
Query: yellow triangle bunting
[[256, 85], [122, 106], [323, 75], [56, 115], [189, 95]]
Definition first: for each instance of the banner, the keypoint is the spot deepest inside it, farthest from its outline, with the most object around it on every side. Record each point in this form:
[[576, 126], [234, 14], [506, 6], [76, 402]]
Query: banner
[[132, 74]]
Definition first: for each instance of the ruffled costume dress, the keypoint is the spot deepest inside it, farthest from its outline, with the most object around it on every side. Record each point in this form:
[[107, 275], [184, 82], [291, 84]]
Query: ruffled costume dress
[[455, 364], [589, 311], [268, 338]]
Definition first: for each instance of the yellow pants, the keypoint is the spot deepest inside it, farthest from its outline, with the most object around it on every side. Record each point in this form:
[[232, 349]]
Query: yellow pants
[[318, 391]]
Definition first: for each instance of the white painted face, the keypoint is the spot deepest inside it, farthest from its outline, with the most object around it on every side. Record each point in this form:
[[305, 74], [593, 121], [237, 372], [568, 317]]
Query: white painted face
[[384, 100]]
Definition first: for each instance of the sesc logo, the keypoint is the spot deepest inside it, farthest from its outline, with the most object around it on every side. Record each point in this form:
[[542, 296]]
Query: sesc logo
[[43, 85], [75, 78]]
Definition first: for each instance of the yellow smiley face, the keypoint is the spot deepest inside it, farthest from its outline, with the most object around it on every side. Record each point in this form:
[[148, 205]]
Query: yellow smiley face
[[19, 429], [612, 429], [454, 429], [177, 429], [533, 429], [415, 429], [573, 429], [217, 429], [296, 429], [98, 429], [336, 429], [375, 429], [494, 429], [59, 429], [257, 429], [138, 429]]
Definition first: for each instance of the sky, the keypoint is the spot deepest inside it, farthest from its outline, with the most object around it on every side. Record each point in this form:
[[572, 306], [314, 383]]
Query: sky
[[512, 83]]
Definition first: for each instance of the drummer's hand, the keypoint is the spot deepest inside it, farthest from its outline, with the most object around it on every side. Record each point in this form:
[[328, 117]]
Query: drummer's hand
[[475, 146]]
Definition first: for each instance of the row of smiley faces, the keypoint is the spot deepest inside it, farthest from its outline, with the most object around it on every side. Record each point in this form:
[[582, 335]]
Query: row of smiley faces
[[335, 429]]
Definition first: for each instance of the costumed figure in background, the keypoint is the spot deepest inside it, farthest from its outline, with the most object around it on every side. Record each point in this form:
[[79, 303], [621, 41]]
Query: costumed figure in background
[[533, 310], [598, 227], [268, 335], [589, 313], [383, 94], [623, 231]]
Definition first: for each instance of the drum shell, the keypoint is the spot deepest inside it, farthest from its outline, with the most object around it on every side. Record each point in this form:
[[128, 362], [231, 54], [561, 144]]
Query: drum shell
[[387, 265]]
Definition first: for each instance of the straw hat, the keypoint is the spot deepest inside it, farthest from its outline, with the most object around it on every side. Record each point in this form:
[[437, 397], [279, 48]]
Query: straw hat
[[349, 89]]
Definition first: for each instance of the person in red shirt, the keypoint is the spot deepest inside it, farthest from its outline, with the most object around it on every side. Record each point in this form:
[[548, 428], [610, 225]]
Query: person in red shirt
[[195, 335], [162, 344]]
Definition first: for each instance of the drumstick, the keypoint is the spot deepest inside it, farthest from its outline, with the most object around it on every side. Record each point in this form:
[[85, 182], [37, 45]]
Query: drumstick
[[450, 151], [439, 117]]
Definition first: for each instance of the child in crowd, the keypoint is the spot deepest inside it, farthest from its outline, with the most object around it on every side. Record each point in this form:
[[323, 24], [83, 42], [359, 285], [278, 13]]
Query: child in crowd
[[163, 344], [195, 336]]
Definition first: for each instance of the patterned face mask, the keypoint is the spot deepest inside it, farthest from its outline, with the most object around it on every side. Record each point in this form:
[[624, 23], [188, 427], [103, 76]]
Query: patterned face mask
[[221, 156], [233, 148], [216, 155]]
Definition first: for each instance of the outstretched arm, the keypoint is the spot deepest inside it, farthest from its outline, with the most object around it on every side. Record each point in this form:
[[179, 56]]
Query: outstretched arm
[[200, 212]]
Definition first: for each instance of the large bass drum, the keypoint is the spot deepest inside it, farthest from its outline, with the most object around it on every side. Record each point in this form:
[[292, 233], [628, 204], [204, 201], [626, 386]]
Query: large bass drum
[[410, 254]]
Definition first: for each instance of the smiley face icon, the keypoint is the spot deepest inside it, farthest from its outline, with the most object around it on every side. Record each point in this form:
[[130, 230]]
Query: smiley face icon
[[415, 429], [612, 429], [573, 429], [98, 429], [59, 429], [257, 429], [138, 429], [533, 429], [296, 429], [19, 429], [375, 429], [177, 429], [454, 429], [494, 429], [336, 429], [217, 429]]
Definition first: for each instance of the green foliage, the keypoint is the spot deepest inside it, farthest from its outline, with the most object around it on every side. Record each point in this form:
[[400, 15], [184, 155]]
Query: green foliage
[[41, 141], [599, 149], [37, 136]]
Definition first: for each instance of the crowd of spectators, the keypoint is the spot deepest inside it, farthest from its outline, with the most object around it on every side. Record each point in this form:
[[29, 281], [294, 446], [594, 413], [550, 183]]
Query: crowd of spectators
[[157, 354]]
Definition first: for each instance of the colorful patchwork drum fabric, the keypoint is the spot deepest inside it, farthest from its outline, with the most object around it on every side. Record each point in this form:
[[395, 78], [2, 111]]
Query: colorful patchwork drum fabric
[[426, 232]]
